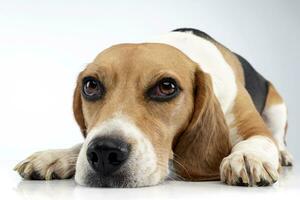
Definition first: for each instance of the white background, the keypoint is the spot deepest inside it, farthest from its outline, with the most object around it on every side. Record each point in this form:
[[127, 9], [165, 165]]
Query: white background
[[45, 44]]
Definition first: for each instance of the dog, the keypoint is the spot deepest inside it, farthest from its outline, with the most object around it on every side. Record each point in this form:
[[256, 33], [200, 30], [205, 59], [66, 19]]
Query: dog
[[181, 106]]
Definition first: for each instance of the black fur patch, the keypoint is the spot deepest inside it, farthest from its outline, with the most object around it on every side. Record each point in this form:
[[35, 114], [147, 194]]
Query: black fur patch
[[195, 32], [256, 85]]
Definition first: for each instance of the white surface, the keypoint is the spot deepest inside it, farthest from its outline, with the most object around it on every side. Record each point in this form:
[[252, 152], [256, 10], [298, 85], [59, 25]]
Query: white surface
[[288, 187]]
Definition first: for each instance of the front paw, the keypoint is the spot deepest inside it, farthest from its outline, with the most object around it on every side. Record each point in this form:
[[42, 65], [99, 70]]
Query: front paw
[[246, 169], [47, 165]]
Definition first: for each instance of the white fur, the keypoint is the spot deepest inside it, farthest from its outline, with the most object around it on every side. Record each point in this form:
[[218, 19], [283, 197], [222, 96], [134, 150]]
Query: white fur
[[234, 137], [252, 160], [142, 161], [262, 147], [60, 162], [210, 60], [276, 118]]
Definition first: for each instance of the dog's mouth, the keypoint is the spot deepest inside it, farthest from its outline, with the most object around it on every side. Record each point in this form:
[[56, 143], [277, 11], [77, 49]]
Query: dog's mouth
[[123, 179], [120, 180]]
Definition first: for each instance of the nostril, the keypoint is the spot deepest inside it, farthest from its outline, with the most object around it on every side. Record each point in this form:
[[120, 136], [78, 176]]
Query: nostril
[[93, 157], [116, 157], [113, 158]]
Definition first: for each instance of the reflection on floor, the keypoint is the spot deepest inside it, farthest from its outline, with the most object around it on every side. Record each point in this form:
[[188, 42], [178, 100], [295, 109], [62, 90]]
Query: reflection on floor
[[15, 187]]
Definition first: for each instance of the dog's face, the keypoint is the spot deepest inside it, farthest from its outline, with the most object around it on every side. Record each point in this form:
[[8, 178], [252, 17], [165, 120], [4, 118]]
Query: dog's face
[[132, 104]]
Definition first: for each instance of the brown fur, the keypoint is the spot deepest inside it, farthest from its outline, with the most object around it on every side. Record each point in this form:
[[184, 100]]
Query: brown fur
[[273, 97], [233, 61], [200, 149], [77, 109], [247, 120]]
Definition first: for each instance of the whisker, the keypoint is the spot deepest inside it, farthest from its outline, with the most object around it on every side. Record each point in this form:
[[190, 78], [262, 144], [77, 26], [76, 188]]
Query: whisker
[[183, 167]]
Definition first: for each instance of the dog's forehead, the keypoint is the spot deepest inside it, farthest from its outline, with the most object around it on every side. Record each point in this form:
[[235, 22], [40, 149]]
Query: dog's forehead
[[144, 56]]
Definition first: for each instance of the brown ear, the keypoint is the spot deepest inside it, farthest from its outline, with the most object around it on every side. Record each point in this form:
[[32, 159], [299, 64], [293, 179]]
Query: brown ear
[[77, 109], [199, 150]]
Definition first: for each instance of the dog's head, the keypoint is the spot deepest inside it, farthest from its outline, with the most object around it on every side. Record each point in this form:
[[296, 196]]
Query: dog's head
[[147, 111]]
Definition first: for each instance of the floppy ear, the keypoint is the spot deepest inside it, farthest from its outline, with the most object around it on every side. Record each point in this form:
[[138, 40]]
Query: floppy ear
[[200, 149], [77, 109]]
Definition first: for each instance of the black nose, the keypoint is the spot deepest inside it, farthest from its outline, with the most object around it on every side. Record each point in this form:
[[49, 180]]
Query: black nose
[[107, 155]]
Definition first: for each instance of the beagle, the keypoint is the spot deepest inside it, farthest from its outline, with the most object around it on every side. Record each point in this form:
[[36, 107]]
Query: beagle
[[182, 106]]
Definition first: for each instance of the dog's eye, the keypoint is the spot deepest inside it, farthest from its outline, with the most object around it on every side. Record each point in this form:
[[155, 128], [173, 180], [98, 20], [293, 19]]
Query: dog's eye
[[164, 90], [92, 89]]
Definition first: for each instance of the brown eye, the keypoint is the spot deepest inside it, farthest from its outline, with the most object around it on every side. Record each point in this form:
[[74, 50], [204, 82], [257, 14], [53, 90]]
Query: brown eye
[[164, 90], [92, 88]]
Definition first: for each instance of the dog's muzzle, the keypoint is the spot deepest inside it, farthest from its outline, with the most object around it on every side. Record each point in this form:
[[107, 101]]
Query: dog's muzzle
[[117, 154]]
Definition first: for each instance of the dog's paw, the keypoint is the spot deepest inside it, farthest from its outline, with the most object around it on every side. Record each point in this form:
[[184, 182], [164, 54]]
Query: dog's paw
[[47, 165], [245, 169], [286, 159]]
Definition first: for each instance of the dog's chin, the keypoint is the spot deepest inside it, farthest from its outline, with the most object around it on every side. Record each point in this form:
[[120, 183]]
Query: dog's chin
[[116, 181], [119, 180]]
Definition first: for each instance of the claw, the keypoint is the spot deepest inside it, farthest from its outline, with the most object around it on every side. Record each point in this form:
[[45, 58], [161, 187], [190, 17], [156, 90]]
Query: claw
[[240, 182], [262, 182], [35, 176]]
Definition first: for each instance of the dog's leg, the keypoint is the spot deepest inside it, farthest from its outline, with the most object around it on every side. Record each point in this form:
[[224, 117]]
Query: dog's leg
[[254, 158], [276, 119], [275, 116], [50, 164]]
